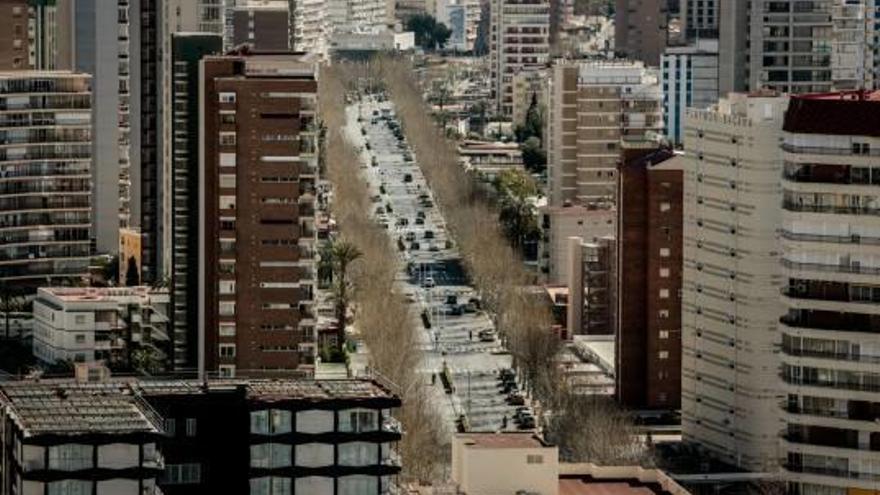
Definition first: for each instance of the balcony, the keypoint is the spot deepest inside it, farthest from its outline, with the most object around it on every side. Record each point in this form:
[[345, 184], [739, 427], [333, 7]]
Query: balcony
[[831, 174], [838, 210], [824, 150], [836, 239], [832, 321], [837, 473], [819, 267], [835, 356]]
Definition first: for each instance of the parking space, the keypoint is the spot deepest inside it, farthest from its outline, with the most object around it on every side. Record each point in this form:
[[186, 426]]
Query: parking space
[[457, 336]]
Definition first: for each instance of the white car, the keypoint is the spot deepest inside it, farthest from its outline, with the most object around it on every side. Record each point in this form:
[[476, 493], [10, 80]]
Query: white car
[[428, 283]]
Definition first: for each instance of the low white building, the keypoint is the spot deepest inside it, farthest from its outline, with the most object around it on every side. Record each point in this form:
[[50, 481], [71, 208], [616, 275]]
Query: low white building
[[84, 324]]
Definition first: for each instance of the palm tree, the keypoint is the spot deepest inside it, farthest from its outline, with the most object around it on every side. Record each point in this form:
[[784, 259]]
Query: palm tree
[[325, 264], [343, 254]]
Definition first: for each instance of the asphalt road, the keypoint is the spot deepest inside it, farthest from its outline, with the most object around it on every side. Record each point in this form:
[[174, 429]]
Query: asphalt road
[[432, 277]]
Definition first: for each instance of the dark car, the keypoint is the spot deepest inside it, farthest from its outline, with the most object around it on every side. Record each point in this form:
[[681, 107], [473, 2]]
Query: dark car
[[516, 399]]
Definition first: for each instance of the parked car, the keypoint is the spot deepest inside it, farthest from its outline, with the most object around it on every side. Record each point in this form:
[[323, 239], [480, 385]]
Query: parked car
[[516, 398], [487, 336], [527, 423], [429, 283]]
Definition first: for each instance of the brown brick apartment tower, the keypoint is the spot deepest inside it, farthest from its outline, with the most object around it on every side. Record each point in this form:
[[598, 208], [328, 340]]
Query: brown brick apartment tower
[[259, 149], [649, 279]]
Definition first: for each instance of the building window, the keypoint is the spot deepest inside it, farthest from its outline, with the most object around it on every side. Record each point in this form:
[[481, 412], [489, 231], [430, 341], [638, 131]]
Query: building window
[[190, 427], [664, 252], [70, 457], [227, 287], [271, 422], [358, 421], [227, 97], [661, 397], [80, 338], [663, 355], [227, 139], [270, 485], [170, 426], [664, 273], [79, 319], [228, 180], [227, 308], [69, 487], [358, 484], [227, 370], [227, 202], [664, 334], [182, 474], [227, 160], [227, 117], [358, 454], [227, 330], [664, 293], [663, 313], [534, 459], [271, 455], [664, 207], [227, 350]]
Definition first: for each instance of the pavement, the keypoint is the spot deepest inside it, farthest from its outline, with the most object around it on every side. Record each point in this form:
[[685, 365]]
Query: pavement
[[431, 276]]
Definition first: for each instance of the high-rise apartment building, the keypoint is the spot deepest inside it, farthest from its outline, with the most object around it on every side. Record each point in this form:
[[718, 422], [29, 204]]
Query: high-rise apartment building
[[640, 29], [147, 31], [592, 107], [14, 42], [689, 77], [797, 47], [187, 49], [519, 41], [100, 47], [356, 15], [731, 279], [262, 24], [308, 23], [259, 152], [647, 312], [45, 177], [699, 18], [830, 293]]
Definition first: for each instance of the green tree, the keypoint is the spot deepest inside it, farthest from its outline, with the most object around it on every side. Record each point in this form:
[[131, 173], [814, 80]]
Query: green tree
[[146, 360], [430, 34], [325, 264], [517, 213], [534, 157], [132, 277], [344, 253]]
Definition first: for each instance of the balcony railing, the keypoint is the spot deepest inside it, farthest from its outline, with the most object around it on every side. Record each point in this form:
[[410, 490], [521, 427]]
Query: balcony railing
[[839, 210], [819, 267], [858, 323], [791, 351], [841, 385], [824, 150], [827, 471], [838, 239]]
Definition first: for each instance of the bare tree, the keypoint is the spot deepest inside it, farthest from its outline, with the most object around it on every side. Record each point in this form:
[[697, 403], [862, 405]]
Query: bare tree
[[382, 317]]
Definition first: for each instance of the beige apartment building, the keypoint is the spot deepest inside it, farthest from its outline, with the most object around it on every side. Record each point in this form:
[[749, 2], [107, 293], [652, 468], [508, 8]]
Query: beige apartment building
[[731, 279], [559, 224], [831, 293], [593, 107], [528, 463], [519, 40]]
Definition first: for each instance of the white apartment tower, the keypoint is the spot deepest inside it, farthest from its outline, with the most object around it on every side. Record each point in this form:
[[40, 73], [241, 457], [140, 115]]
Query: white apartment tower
[[831, 293], [519, 40], [731, 279]]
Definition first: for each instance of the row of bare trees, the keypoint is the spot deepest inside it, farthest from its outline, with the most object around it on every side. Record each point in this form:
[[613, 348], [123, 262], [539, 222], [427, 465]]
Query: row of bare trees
[[382, 317], [586, 429]]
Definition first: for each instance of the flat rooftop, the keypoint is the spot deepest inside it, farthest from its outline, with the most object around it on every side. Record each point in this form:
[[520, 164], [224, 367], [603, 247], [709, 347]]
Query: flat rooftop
[[508, 440], [84, 294], [590, 486], [117, 406]]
